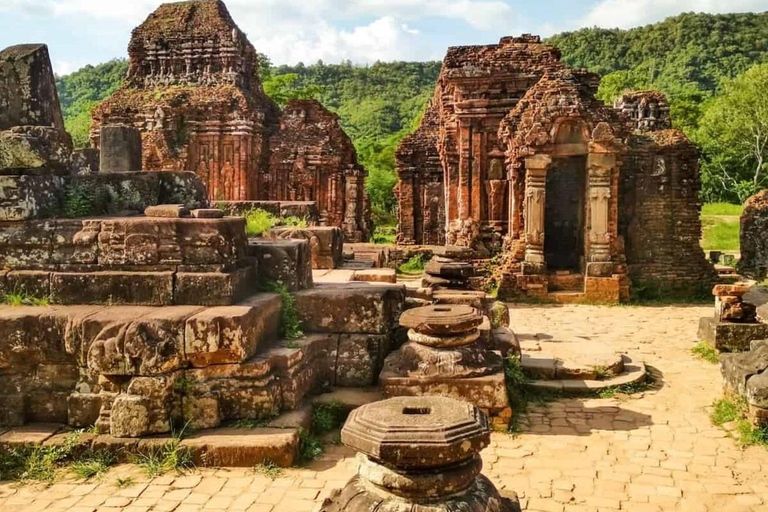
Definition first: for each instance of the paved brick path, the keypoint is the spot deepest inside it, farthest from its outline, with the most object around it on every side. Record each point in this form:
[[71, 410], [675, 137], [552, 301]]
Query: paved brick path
[[656, 453]]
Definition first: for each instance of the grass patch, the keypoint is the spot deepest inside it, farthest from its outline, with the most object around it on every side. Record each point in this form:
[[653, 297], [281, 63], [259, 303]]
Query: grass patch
[[290, 325], [722, 209], [171, 456], [626, 389], [92, 465], [40, 463], [269, 469], [734, 409], [414, 266], [720, 234], [251, 424], [20, 297], [293, 222], [706, 352]]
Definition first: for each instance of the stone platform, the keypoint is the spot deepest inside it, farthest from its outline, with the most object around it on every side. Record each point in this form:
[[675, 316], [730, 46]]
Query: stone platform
[[577, 366]]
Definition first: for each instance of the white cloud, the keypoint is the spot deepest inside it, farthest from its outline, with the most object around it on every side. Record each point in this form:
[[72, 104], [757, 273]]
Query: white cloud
[[306, 30], [632, 13]]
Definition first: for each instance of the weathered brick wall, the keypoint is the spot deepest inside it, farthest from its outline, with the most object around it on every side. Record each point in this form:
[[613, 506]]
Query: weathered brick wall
[[659, 216], [313, 159], [754, 237]]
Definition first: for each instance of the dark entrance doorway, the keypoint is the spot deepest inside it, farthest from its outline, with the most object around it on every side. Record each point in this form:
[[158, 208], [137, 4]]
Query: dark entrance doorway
[[564, 214]]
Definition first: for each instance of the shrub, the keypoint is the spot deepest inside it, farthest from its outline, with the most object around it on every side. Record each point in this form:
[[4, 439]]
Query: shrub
[[258, 222]]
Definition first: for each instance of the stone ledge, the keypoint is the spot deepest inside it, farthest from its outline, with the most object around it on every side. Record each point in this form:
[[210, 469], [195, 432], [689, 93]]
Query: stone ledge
[[730, 337], [633, 374]]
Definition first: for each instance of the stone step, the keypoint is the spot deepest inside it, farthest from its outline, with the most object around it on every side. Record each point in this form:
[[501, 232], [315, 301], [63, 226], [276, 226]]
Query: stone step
[[569, 359], [221, 447], [351, 398], [633, 373], [566, 297], [566, 283]]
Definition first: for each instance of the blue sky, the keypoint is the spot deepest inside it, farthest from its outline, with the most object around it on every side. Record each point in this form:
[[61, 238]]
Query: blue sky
[[80, 32]]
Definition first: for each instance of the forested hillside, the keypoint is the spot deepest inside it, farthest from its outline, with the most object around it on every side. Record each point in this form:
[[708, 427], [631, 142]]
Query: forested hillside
[[691, 57]]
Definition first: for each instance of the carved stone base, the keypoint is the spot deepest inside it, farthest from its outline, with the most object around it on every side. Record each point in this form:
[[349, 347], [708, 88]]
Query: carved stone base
[[481, 496]]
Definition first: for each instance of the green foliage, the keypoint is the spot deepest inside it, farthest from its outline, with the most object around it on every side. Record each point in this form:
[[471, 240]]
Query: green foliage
[[706, 352], [269, 469], [413, 266], [85, 200], [290, 325], [327, 417], [734, 409], [80, 91], [385, 235], [294, 222], [283, 88], [734, 138], [258, 222]]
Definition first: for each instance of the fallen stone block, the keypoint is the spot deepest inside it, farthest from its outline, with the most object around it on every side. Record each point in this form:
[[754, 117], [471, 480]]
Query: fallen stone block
[[232, 334], [353, 308], [730, 337]]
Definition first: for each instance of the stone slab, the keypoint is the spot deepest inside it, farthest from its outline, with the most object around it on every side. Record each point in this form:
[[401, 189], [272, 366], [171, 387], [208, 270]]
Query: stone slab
[[33, 434], [730, 337], [113, 287], [227, 447], [376, 275]]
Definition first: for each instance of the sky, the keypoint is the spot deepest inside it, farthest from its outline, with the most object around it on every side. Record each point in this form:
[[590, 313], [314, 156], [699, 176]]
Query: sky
[[80, 32]]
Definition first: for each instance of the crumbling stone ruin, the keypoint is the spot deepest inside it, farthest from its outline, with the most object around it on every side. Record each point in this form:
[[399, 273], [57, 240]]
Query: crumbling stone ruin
[[418, 453], [193, 91], [586, 200], [735, 323], [745, 374], [139, 309], [754, 242]]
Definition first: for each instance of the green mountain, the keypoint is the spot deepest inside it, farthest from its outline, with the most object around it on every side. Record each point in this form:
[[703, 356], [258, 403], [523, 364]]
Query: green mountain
[[687, 56]]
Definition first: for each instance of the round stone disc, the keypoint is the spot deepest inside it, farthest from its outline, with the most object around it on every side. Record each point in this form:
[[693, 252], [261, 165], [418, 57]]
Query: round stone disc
[[417, 432], [442, 319]]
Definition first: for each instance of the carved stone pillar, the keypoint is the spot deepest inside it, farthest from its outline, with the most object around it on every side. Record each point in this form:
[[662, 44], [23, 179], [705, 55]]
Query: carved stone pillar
[[535, 203], [600, 169]]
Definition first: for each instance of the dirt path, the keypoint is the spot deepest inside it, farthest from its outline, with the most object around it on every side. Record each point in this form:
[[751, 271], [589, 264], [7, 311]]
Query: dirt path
[[657, 452]]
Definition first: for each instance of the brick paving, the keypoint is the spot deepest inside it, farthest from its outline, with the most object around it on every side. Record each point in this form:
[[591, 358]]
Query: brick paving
[[656, 452]]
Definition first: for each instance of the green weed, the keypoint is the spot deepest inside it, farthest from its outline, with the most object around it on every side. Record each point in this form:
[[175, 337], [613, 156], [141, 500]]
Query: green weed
[[294, 222], [413, 266], [124, 482], [172, 456], [327, 417], [706, 352], [258, 222], [92, 464], [728, 409], [385, 235], [310, 446], [290, 325], [269, 469], [19, 297]]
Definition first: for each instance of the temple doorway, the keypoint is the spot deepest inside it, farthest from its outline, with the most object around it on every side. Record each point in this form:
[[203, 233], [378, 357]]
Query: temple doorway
[[564, 215]]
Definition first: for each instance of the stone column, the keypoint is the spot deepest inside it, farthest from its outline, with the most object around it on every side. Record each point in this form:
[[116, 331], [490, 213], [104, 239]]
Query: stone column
[[600, 169], [535, 201]]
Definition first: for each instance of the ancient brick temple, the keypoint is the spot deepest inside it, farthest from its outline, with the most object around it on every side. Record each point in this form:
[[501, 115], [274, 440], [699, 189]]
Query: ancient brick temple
[[193, 89], [515, 151]]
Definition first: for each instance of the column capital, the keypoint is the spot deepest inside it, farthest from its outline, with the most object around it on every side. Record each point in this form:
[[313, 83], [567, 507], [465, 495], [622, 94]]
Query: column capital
[[541, 162]]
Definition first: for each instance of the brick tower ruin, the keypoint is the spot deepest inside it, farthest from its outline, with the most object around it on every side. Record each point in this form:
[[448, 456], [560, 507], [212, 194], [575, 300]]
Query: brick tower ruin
[[516, 152], [194, 92]]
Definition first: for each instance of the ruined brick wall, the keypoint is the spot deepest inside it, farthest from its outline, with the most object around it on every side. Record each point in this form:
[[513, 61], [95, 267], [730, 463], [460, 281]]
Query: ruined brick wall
[[660, 216], [420, 189], [754, 237], [313, 159], [194, 92]]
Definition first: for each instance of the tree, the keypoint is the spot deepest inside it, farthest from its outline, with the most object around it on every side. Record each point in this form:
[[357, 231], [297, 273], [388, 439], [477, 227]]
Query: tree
[[733, 135], [284, 88]]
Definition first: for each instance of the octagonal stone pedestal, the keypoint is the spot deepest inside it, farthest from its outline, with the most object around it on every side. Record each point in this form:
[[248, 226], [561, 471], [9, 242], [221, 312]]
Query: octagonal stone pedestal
[[444, 357], [418, 453]]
